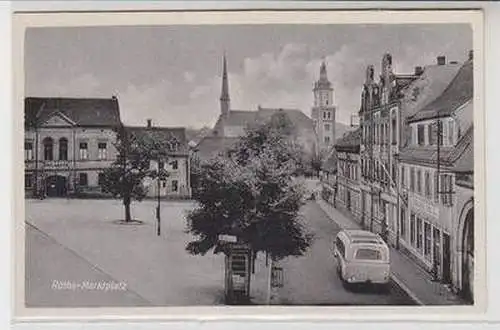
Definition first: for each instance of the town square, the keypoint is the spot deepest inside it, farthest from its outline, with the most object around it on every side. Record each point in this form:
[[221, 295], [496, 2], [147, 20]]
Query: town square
[[326, 166]]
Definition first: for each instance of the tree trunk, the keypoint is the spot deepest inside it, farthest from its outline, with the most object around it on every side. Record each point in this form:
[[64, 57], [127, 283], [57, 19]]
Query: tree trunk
[[126, 202]]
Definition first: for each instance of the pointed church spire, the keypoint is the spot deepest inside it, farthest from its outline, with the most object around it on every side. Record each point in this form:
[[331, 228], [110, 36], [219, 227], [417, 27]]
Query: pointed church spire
[[322, 72], [224, 96]]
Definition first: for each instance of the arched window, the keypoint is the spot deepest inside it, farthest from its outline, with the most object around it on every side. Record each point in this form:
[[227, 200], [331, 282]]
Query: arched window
[[63, 149], [48, 148]]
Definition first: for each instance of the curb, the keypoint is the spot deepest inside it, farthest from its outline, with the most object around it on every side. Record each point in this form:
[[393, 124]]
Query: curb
[[393, 277], [407, 290]]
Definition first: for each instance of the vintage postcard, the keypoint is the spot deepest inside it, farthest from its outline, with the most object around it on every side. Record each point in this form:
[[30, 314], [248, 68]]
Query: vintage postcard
[[186, 165]]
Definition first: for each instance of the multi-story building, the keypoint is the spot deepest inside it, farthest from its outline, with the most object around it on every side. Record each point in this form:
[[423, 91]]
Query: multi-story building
[[176, 161], [68, 142], [348, 194], [380, 122], [436, 168], [385, 106]]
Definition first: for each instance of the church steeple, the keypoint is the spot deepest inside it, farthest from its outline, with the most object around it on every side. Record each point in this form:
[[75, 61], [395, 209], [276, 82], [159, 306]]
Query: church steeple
[[224, 96]]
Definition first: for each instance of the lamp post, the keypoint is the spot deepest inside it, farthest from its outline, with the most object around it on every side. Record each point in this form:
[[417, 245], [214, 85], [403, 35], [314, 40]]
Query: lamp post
[[158, 217]]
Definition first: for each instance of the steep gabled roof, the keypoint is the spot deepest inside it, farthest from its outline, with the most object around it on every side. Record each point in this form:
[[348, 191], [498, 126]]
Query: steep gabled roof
[[211, 146], [459, 91], [350, 142], [85, 112], [297, 117], [429, 86], [165, 134], [240, 118]]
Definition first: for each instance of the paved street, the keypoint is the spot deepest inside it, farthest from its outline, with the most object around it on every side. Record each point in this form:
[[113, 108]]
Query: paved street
[[312, 279], [77, 241]]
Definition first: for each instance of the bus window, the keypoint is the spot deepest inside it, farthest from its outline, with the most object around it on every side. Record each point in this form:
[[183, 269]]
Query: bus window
[[368, 254], [340, 247]]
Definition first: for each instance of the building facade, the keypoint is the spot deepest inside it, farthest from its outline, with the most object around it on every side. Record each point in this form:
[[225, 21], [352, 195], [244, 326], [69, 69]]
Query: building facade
[[348, 193], [68, 142], [380, 122], [436, 171], [176, 161]]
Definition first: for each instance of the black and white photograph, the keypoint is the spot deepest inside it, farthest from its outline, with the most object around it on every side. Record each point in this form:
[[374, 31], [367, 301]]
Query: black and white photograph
[[238, 164]]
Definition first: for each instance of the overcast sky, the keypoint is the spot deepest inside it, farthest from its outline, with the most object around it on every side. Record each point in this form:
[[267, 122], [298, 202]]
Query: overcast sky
[[172, 74]]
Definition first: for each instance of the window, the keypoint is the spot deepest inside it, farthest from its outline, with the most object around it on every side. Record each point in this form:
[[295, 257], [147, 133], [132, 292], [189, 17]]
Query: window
[[175, 185], [412, 179], [102, 150], [84, 151], [327, 127], [403, 175], [427, 240], [427, 183], [48, 149], [393, 129], [28, 150], [446, 189], [451, 132], [412, 229], [161, 165], [368, 254], [340, 247], [175, 164], [419, 233], [421, 134], [28, 181], [436, 187], [100, 179], [63, 149], [327, 139], [329, 113], [419, 181], [394, 173], [83, 179], [402, 223], [432, 134]]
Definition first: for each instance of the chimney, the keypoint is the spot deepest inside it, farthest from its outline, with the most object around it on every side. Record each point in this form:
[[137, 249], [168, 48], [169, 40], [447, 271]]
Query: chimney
[[418, 70], [471, 55], [441, 60], [149, 123]]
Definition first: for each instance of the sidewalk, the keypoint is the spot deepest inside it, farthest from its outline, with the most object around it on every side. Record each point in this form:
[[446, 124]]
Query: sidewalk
[[415, 281]]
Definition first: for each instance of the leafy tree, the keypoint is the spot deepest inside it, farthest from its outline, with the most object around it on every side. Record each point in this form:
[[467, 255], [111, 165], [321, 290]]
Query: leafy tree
[[136, 148], [251, 194]]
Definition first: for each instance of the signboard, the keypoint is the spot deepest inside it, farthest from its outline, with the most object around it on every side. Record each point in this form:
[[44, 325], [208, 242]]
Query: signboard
[[228, 238]]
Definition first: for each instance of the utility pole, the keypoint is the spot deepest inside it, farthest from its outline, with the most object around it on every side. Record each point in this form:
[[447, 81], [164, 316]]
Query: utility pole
[[158, 217]]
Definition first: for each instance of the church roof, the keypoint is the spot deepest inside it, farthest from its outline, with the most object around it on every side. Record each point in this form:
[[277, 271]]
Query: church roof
[[248, 118], [82, 111], [211, 146]]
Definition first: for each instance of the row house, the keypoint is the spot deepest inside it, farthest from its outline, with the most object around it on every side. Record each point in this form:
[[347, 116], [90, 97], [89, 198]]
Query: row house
[[348, 194], [380, 120], [175, 162], [436, 167], [69, 142]]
